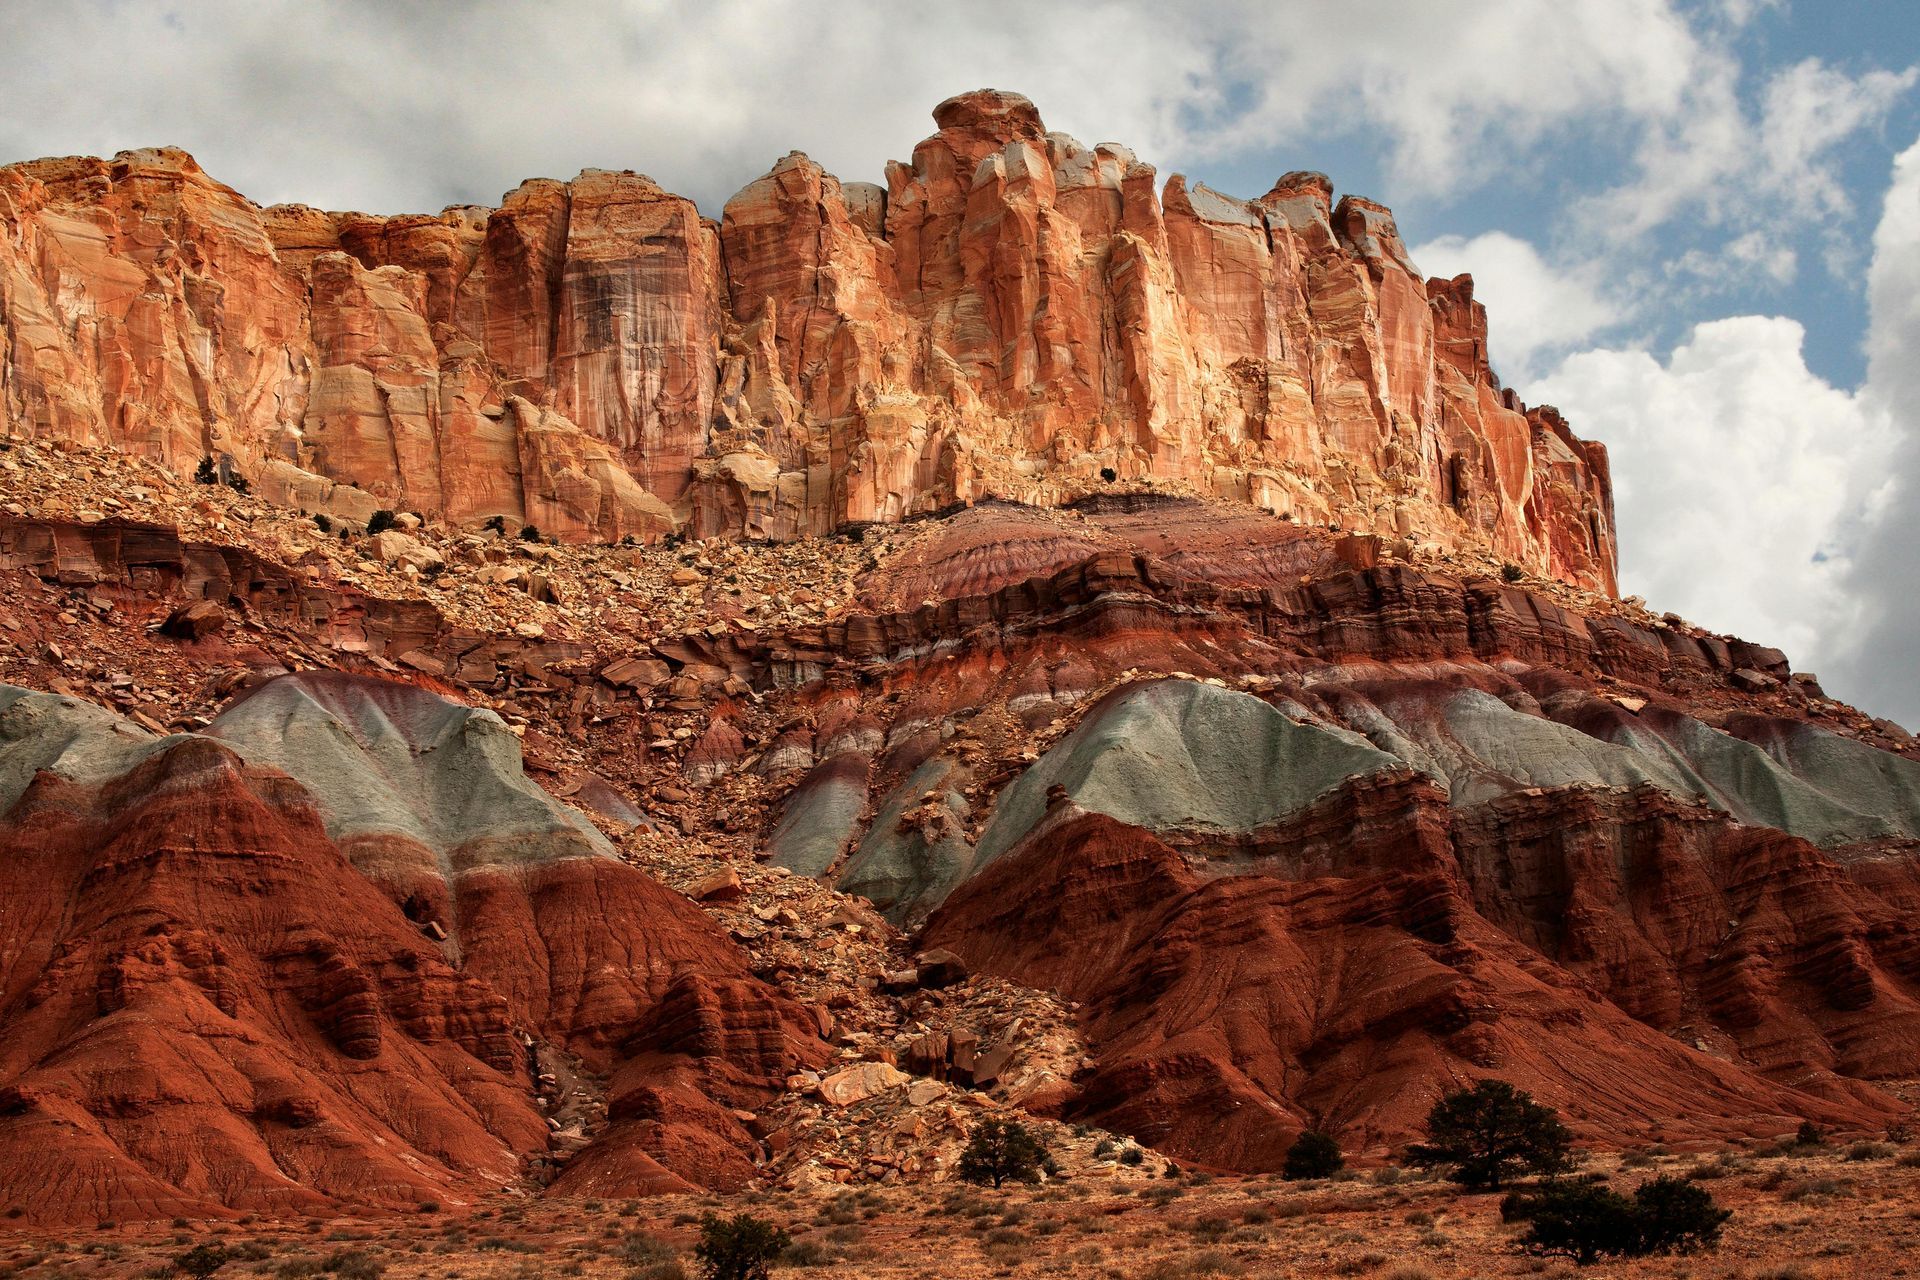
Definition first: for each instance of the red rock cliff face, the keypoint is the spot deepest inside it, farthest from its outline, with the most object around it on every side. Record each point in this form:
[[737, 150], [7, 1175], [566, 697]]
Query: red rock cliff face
[[1015, 313]]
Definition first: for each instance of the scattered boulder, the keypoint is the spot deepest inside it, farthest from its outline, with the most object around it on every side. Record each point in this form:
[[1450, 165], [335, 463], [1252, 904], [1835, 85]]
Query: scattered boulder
[[722, 886], [194, 621], [941, 968], [636, 673], [860, 1082]]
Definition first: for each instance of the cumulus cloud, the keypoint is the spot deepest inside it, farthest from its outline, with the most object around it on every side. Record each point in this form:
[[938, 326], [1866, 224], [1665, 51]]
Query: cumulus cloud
[[1757, 498], [1878, 659], [1534, 309], [1737, 472], [388, 107], [391, 107]]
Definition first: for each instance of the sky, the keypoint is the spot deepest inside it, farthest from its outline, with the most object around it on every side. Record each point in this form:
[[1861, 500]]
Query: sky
[[1695, 223]]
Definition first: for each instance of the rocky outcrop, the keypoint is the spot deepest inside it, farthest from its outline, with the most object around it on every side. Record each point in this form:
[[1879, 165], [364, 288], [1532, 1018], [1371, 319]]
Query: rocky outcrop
[[1014, 314]]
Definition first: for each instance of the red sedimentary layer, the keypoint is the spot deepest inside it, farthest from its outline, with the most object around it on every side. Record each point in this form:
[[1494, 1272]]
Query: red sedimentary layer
[[204, 1007], [1717, 981]]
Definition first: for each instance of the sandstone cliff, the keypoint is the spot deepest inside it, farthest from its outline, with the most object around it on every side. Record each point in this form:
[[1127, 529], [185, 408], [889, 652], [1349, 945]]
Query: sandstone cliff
[[1014, 314]]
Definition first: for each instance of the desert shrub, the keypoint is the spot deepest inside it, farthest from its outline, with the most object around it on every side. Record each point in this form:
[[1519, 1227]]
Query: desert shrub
[[1587, 1221], [1189, 1266], [1313, 1155], [381, 521], [496, 524], [201, 1260], [1489, 1134], [1720, 1166], [742, 1247], [1511, 573], [348, 1264], [1818, 1190], [1000, 1151], [806, 1253], [205, 472], [1869, 1151], [1109, 475], [641, 1249], [352, 1264], [1808, 1135], [529, 533], [1132, 1156]]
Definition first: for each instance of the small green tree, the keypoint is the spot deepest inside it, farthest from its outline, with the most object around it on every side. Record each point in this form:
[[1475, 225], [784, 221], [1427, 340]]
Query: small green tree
[[205, 473], [1000, 1151], [530, 533], [381, 521], [1490, 1133], [202, 1260], [1313, 1155], [742, 1247]]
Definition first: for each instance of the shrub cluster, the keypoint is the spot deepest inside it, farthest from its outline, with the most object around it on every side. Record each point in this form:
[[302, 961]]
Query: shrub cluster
[[1587, 1221]]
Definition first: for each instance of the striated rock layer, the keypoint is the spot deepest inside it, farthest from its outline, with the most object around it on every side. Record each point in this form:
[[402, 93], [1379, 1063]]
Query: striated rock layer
[[231, 986], [1014, 314], [1306, 827]]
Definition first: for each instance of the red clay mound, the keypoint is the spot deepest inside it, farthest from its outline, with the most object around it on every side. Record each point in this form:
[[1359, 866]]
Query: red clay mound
[[1231, 1011], [205, 1007]]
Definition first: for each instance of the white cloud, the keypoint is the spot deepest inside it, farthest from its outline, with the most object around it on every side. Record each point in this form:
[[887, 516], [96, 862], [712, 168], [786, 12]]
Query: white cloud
[[367, 104], [1534, 309], [1806, 110], [1879, 656], [1455, 88], [392, 107], [1723, 164], [1737, 472], [1759, 499]]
